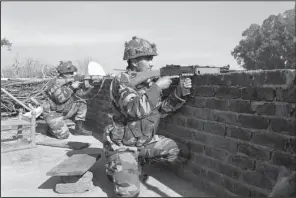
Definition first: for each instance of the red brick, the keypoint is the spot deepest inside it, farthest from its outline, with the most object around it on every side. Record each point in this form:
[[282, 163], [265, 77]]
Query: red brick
[[240, 106], [216, 141], [206, 91], [240, 133], [267, 170], [284, 159], [176, 119], [217, 104], [263, 108], [235, 187], [199, 171], [228, 92], [241, 161], [201, 137], [208, 186], [216, 153], [258, 93], [259, 192], [215, 128], [186, 110], [195, 123], [270, 139], [205, 161], [284, 110], [258, 79], [225, 117], [286, 95], [223, 143], [180, 131], [253, 121], [196, 147], [203, 113], [213, 80], [197, 101], [275, 77], [291, 147], [238, 79], [284, 126], [254, 151], [214, 177], [257, 179]]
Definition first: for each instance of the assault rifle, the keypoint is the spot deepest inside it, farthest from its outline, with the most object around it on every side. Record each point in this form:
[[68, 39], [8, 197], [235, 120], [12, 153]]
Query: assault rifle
[[96, 73], [173, 71], [81, 78]]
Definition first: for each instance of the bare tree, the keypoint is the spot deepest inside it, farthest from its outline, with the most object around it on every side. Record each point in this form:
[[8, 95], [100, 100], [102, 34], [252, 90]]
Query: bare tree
[[6, 43]]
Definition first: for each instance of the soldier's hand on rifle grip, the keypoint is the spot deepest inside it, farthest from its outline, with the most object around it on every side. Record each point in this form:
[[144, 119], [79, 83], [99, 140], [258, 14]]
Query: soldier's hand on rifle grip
[[75, 84], [87, 84], [184, 87]]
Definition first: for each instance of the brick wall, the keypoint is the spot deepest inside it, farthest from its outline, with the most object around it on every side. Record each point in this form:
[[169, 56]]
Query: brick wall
[[237, 130], [99, 107]]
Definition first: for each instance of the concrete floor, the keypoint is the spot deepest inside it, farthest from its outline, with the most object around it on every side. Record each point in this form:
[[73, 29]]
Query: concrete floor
[[23, 174]]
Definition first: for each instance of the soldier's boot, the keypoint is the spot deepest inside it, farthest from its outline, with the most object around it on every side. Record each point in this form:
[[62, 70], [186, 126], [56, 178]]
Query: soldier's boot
[[143, 176], [79, 130]]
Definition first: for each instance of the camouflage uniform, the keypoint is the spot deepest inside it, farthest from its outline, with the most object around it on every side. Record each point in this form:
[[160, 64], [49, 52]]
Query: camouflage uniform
[[131, 140], [64, 101]]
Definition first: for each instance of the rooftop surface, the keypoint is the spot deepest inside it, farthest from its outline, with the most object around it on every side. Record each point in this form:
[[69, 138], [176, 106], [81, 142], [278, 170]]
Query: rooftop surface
[[23, 174]]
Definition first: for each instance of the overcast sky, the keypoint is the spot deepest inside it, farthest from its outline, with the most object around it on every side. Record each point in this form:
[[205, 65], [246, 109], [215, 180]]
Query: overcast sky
[[202, 33]]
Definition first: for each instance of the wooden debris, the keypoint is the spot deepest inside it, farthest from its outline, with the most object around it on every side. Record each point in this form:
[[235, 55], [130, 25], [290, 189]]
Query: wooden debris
[[15, 99], [21, 90]]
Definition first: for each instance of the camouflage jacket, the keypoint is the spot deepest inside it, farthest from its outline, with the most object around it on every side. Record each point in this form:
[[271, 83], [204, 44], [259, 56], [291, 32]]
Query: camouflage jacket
[[136, 112], [62, 96]]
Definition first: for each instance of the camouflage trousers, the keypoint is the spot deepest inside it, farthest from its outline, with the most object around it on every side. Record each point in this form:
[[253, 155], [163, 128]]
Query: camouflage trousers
[[124, 167], [76, 110]]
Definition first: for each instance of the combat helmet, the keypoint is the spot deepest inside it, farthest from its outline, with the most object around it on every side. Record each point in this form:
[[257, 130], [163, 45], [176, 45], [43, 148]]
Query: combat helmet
[[138, 47], [66, 67]]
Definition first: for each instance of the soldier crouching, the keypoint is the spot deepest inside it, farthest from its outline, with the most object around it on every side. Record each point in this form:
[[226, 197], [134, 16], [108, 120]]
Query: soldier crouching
[[64, 101], [130, 142]]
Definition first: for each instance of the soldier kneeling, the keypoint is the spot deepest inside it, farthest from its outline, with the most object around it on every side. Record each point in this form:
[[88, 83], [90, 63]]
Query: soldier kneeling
[[130, 142], [64, 101]]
